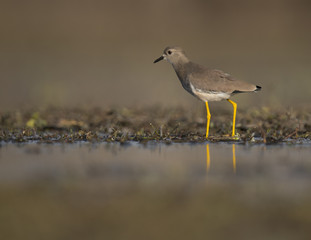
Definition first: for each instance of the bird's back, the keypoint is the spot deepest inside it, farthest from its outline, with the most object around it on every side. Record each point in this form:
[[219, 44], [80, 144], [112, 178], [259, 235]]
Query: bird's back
[[212, 80]]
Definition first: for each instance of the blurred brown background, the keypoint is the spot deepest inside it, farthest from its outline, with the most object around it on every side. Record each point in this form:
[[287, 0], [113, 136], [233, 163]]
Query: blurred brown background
[[100, 53]]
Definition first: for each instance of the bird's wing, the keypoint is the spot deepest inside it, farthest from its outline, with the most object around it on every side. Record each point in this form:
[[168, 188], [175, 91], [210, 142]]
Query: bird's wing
[[208, 80]]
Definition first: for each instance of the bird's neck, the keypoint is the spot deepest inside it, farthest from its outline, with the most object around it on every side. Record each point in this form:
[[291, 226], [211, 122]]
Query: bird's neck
[[182, 71], [181, 67]]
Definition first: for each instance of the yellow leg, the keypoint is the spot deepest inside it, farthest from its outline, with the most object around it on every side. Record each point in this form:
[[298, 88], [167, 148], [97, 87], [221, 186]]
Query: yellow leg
[[208, 160], [234, 116], [208, 119]]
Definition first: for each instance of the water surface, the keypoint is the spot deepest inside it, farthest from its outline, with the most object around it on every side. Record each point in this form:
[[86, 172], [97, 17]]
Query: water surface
[[153, 191]]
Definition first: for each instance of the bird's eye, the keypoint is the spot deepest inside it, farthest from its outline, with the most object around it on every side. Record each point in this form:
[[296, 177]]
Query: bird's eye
[[169, 52]]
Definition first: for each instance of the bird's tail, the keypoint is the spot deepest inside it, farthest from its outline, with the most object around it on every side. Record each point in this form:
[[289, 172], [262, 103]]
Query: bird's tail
[[258, 88]]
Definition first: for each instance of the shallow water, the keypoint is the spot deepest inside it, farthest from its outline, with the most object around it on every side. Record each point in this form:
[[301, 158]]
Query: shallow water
[[219, 162], [155, 191]]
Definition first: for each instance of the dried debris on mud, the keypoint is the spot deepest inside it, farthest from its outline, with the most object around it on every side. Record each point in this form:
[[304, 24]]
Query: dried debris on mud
[[168, 125]]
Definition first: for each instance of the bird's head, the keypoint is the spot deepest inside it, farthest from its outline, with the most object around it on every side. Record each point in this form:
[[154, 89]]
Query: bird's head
[[173, 55]]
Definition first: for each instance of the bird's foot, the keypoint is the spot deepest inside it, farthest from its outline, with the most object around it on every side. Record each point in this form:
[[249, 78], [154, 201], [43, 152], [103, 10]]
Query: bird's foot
[[236, 137]]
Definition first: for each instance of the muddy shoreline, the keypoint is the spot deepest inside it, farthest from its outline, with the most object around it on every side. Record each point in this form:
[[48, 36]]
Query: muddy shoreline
[[167, 125]]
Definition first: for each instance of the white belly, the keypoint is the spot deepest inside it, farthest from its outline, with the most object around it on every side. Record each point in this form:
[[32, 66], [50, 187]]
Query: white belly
[[210, 96]]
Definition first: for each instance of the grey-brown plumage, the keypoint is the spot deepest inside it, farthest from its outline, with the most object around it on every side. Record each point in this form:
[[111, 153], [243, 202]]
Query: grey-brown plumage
[[202, 82]]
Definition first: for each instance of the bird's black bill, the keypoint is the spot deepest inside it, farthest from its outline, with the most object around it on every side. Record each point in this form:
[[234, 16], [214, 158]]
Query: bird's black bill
[[159, 59]]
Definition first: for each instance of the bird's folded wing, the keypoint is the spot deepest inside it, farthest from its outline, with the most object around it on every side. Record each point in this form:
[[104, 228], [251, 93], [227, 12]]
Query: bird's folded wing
[[210, 80]]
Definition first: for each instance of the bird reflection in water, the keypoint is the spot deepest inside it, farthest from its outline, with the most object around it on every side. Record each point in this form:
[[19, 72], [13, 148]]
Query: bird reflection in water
[[208, 159]]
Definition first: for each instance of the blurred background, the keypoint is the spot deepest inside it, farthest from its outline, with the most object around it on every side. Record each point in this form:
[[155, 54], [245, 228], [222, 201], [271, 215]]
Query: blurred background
[[100, 53]]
